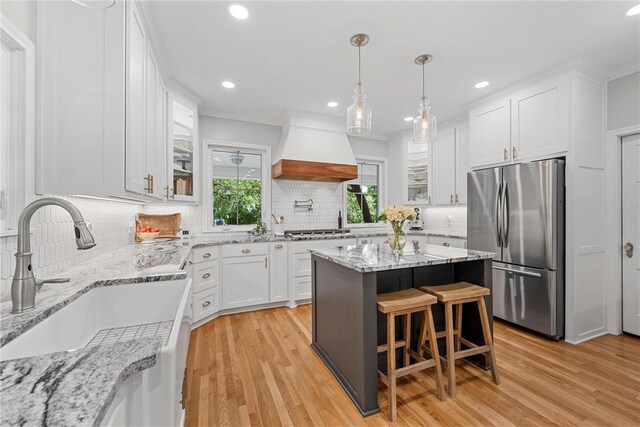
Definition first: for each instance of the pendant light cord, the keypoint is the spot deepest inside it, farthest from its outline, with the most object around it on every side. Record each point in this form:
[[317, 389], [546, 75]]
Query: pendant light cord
[[359, 59], [423, 97]]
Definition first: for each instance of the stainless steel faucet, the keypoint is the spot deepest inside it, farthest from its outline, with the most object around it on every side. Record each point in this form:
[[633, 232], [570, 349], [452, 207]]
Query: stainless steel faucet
[[25, 285]]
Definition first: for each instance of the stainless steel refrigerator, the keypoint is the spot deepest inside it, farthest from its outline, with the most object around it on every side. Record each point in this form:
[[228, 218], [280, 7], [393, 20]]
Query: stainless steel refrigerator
[[518, 212]]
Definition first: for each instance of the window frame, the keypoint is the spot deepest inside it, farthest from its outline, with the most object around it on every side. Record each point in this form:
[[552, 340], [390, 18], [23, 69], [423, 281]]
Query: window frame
[[265, 177], [381, 162], [22, 149]]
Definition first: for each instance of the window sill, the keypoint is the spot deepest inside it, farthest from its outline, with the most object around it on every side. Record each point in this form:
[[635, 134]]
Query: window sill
[[369, 225]]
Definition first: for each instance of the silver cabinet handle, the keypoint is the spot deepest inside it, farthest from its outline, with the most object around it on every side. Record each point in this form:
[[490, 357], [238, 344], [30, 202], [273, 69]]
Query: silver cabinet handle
[[206, 275], [279, 246], [206, 303], [521, 273], [445, 244], [266, 260], [506, 154], [456, 199], [450, 199], [207, 255], [364, 241], [190, 263], [245, 251], [515, 153]]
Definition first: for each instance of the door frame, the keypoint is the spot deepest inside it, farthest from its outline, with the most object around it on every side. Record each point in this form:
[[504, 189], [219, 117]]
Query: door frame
[[613, 180]]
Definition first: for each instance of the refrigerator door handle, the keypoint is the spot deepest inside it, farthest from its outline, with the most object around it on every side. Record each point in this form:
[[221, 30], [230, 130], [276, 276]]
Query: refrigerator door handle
[[520, 272], [497, 215], [505, 214]]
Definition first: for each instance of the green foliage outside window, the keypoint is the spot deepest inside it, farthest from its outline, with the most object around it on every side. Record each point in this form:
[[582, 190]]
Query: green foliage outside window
[[237, 202], [362, 209]]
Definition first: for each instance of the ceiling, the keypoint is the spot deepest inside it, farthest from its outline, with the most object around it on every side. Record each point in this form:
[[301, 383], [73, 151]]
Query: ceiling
[[297, 55]]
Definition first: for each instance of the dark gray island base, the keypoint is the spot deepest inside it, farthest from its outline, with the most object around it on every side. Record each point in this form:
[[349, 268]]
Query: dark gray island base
[[347, 327]]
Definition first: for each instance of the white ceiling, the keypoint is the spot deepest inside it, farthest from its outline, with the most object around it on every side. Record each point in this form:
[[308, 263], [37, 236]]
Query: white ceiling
[[296, 55]]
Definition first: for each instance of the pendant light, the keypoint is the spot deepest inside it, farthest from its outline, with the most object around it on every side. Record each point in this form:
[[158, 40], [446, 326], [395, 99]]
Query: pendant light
[[359, 113], [425, 126]]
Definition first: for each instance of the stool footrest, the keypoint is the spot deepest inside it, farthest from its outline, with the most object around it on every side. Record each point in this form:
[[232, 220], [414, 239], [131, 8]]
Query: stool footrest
[[471, 351], [399, 344]]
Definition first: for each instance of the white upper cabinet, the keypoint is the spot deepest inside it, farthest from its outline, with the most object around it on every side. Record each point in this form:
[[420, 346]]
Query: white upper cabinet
[[462, 163], [183, 155], [530, 124], [136, 172], [102, 126], [444, 161], [489, 127], [418, 170], [539, 120], [450, 166]]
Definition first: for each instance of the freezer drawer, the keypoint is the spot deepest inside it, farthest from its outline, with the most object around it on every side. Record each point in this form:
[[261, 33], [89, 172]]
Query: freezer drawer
[[526, 296]]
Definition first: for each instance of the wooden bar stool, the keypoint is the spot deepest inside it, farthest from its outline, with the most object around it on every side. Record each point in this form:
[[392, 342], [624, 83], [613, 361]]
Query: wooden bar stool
[[405, 303], [456, 295]]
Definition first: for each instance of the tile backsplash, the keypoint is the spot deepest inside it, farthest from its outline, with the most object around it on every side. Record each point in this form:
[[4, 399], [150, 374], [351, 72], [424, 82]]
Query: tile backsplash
[[446, 219], [53, 243], [327, 201]]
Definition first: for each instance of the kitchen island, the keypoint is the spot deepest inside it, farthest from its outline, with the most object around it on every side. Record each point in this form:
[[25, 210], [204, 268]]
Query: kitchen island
[[346, 325]]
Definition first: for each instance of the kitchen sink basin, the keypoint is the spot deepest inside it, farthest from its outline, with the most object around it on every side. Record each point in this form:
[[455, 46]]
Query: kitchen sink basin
[[119, 313]]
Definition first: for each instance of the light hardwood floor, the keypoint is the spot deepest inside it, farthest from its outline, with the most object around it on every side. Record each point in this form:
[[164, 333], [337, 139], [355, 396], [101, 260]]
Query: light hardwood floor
[[257, 368]]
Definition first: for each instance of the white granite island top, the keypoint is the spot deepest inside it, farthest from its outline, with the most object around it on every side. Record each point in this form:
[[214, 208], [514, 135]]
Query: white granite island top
[[372, 258]]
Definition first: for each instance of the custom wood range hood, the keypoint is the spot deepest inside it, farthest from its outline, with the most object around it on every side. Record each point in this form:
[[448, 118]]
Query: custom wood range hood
[[314, 148]]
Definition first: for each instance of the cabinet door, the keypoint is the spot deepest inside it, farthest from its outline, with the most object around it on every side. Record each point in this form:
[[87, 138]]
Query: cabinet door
[[245, 281], [151, 136], [159, 169], [462, 164], [419, 175], [490, 136], [135, 172], [539, 120], [444, 168], [278, 272]]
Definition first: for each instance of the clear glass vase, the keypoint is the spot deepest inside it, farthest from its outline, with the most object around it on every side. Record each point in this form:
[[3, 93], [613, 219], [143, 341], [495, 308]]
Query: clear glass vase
[[397, 239]]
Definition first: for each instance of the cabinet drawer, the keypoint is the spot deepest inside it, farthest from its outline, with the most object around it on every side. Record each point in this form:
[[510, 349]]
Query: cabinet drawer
[[444, 241], [302, 264], [205, 303], [205, 275], [302, 287], [249, 249], [207, 253]]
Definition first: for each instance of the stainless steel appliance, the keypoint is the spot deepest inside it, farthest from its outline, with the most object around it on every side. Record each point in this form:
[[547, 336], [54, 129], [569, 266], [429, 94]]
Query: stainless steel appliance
[[518, 212]]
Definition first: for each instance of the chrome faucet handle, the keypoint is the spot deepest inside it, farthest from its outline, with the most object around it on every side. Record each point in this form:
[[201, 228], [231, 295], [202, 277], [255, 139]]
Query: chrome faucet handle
[[40, 282]]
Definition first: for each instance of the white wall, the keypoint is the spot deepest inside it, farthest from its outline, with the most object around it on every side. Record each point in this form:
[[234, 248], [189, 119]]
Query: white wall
[[623, 101], [22, 13]]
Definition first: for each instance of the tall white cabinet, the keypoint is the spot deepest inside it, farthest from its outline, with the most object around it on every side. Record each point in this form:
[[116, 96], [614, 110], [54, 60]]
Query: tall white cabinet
[[102, 103], [450, 165]]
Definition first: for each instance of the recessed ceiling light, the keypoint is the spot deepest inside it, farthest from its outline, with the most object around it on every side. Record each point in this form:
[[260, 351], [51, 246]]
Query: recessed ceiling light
[[332, 104], [408, 119], [227, 84], [635, 10], [480, 85], [238, 11]]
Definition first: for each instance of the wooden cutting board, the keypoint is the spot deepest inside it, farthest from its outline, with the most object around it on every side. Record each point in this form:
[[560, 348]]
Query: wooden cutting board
[[169, 225]]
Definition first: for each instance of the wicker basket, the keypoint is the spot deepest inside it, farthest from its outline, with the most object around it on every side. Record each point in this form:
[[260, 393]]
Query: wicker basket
[[169, 225]]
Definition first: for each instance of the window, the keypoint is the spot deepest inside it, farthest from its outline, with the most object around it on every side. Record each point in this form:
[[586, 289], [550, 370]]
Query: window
[[364, 194], [238, 195]]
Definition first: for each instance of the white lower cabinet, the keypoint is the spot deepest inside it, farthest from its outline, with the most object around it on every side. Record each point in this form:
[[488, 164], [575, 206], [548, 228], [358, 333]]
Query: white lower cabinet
[[278, 272], [447, 241], [206, 303], [245, 281]]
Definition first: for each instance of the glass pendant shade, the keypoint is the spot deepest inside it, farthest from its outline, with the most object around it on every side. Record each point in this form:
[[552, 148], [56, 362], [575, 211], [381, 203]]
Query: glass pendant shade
[[425, 125], [359, 113]]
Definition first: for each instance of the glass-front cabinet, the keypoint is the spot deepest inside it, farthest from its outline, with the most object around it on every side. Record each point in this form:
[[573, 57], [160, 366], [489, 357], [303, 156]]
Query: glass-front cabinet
[[419, 172], [183, 151]]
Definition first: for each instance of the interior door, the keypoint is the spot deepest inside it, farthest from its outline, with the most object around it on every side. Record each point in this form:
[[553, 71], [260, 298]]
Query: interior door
[[631, 234], [531, 195], [482, 211]]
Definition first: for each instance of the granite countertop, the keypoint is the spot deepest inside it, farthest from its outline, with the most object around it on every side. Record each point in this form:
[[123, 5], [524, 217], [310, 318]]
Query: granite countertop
[[371, 258], [70, 388]]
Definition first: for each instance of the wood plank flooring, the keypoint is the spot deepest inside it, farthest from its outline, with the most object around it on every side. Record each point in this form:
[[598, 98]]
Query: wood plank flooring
[[257, 368]]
